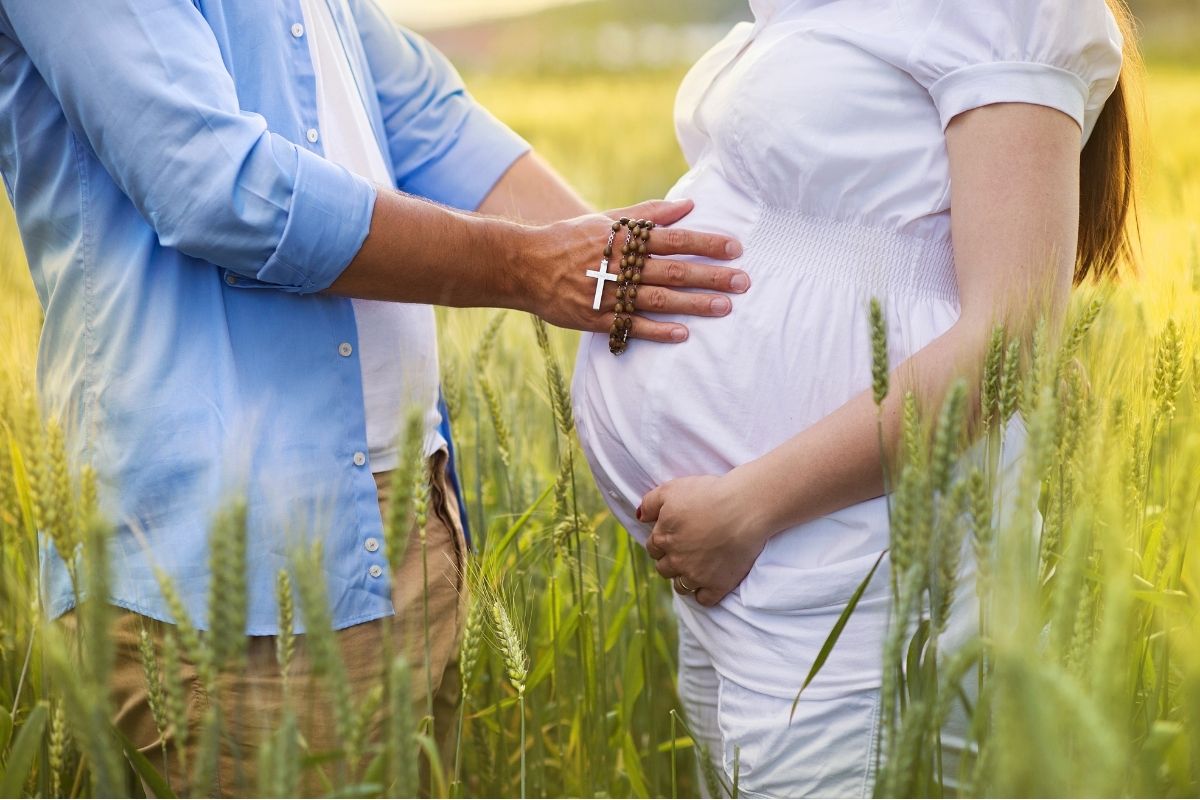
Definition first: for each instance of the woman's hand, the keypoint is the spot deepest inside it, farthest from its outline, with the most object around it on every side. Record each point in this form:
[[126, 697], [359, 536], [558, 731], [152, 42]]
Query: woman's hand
[[554, 285], [707, 534]]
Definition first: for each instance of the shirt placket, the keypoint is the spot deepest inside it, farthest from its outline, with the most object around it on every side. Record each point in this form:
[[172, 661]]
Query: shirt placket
[[345, 350]]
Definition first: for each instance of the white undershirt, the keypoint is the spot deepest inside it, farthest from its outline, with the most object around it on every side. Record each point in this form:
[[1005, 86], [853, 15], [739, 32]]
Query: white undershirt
[[397, 342]]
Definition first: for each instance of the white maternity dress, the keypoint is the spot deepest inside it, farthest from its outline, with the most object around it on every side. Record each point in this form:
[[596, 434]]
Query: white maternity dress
[[815, 135]]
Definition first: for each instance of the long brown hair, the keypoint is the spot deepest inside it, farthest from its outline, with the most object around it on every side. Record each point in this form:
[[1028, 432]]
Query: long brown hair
[[1107, 171]]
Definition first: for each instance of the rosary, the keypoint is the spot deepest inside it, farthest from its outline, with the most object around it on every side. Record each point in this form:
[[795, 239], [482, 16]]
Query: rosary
[[633, 259]]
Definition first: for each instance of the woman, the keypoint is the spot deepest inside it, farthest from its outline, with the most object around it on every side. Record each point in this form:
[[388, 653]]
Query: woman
[[827, 136]]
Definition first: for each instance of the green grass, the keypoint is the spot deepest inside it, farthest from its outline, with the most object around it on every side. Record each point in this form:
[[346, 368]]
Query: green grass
[[1091, 664]]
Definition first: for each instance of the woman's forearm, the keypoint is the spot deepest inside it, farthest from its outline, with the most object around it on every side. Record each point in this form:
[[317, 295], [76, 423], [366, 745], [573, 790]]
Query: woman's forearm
[[837, 462], [1014, 170]]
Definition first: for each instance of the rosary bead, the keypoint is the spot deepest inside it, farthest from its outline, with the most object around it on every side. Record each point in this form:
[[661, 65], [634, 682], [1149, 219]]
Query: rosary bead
[[633, 260]]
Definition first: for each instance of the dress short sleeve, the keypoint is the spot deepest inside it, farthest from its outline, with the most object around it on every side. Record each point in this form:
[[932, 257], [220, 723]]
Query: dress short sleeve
[[1065, 55]]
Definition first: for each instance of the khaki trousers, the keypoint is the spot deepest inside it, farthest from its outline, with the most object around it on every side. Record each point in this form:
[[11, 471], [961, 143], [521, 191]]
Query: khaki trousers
[[251, 700]]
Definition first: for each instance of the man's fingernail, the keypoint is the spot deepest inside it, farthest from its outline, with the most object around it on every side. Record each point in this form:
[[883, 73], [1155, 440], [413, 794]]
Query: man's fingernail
[[733, 249], [740, 282], [720, 305], [639, 513], [679, 334]]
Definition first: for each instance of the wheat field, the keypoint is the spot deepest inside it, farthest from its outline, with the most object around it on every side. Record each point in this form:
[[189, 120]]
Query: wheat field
[[1087, 672]]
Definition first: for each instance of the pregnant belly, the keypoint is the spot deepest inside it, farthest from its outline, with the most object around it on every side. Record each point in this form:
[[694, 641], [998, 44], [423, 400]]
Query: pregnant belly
[[739, 386], [794, 349]]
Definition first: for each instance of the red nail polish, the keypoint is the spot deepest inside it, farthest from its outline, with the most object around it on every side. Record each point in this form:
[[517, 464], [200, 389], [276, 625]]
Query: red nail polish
[[639, 513]]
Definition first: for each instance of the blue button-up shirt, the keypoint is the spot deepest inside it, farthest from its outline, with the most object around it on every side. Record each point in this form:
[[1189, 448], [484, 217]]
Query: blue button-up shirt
[[164, 161]]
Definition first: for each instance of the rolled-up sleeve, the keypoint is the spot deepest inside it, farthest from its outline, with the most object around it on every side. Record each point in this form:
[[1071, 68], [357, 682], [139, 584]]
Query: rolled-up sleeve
[[443, 144], [143, 84]]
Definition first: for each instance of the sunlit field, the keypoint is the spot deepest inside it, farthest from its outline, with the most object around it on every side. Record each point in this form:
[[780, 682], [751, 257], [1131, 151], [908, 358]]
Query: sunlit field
[[1087, 672]]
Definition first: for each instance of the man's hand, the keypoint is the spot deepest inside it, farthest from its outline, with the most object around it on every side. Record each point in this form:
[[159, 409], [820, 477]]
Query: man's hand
[[553, 270], [420, 252], [706, 537]]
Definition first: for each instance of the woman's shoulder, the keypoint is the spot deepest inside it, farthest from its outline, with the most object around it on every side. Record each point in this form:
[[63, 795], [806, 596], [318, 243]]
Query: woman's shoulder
[[1067, 55], [935, 37], [1081, 36]]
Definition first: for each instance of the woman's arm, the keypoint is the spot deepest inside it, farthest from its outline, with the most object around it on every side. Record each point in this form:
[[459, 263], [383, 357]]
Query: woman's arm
[[1015, 175]]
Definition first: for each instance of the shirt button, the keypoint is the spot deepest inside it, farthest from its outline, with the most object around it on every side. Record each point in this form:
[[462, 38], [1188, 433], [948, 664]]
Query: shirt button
[[372, 544], [344, 349], [360, 458], [313, 135], [231, 279], [297, 30], [375, 571]]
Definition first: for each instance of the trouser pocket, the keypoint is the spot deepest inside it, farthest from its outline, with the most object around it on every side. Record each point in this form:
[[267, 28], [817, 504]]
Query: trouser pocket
[[826, 749]]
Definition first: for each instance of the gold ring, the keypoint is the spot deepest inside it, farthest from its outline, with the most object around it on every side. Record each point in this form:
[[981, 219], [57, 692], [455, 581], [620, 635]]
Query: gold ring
[[679, 582]]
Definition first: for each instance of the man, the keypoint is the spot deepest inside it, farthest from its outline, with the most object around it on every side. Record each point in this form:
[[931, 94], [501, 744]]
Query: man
[[201, 188]]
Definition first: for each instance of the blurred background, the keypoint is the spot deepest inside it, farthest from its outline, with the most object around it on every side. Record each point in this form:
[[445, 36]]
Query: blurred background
[[599, 630], [524, 35]]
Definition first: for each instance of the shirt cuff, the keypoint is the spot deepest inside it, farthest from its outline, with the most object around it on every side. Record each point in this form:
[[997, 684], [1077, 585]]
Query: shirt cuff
[[461, 177], [328, 222], [1009, 82]]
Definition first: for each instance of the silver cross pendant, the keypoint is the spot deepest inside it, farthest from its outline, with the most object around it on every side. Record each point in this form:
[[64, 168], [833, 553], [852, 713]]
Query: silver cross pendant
[[601, 276]]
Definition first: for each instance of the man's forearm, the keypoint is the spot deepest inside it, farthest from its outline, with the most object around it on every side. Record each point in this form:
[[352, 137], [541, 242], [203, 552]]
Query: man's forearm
[[420, 252], [455, 258], [530, 247]]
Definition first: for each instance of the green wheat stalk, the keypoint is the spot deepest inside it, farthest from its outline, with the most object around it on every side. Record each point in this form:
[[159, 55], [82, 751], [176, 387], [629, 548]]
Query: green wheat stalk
[[227, 587], [403, 780], [516, 665], [285, 640]]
